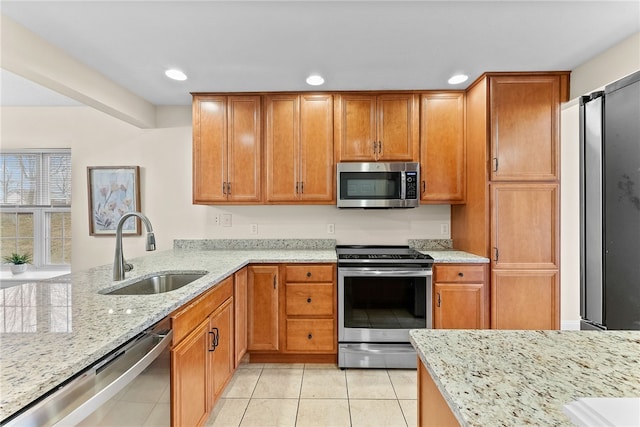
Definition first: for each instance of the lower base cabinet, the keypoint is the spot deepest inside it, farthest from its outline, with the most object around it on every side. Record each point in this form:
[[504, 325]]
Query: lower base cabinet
[[202, 356], [460, 296], [433, 410]]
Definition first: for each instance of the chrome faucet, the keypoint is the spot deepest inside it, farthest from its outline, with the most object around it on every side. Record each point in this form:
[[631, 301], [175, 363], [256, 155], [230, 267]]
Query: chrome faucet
[[120, 266]]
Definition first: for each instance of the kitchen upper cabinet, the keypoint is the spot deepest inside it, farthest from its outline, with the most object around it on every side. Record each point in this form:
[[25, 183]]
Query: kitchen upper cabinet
[[299, 148], [525, 299], [240, 313], [226, 149], [442, 148], [525, 226], [377, 127], [460, 296], [262, 306], [525, 133]]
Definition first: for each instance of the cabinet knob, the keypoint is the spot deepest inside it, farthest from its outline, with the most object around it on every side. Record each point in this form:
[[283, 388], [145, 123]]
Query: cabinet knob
[[309, 300], [310, 336], [308, 274], [461, 274]]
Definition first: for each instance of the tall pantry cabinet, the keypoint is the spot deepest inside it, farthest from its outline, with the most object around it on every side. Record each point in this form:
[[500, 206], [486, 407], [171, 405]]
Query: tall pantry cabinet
[[512, 210]]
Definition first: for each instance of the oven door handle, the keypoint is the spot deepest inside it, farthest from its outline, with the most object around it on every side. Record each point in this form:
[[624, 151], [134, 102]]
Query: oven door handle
[[377, 272]]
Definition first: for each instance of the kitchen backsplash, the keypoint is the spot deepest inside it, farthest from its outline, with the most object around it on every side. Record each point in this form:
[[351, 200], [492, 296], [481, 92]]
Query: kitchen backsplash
[[302, 244], [209, 244]]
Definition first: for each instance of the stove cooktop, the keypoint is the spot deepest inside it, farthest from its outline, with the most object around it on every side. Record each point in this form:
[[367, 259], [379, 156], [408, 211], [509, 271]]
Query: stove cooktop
[[381, 254]]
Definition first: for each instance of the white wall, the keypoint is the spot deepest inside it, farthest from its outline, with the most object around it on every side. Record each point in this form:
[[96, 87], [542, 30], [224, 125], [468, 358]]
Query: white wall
[[164, 157]]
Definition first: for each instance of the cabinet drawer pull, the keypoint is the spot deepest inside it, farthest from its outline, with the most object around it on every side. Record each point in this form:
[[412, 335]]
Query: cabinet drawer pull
[[309, 300], [308, 274], [460, 274], [309, 336]]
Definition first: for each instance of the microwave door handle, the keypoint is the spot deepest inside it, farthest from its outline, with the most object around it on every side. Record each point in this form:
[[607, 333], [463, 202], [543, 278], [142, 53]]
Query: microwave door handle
[[403, 185]]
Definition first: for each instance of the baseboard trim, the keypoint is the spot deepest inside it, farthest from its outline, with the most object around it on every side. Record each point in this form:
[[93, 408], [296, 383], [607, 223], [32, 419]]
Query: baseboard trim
[[570, 325]]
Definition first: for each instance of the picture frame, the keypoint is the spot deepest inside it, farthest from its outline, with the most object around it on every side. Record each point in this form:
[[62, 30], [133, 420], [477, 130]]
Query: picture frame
[[113, 191]]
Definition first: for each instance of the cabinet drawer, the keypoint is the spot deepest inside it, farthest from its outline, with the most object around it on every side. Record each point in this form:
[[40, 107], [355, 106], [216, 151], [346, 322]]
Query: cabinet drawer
[[310, 273], [186, 318], [310, 299], [459, 273], [310, 335]]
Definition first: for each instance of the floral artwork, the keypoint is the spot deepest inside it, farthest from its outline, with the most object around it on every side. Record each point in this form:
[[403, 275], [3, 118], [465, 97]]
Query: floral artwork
[[113, 191]]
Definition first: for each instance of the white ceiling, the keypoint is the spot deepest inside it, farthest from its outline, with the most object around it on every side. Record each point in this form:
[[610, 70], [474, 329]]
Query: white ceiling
[[272, 46]]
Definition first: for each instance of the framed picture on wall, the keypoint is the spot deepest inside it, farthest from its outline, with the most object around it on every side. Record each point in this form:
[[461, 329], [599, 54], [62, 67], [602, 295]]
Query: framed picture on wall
[[113, 191]]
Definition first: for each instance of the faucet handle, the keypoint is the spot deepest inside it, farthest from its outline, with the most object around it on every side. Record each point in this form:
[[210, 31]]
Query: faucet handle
[[128, 267]]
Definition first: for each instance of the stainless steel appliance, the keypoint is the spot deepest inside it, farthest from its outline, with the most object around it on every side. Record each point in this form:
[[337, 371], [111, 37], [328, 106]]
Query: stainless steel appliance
[[383, 292], [72, 402], [378, 185], [610, 206]]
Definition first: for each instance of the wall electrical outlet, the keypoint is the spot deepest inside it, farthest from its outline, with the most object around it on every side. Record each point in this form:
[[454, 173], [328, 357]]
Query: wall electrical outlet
[[444, 229], [225, 220], [253, 229], [331, 228], [217, 219]]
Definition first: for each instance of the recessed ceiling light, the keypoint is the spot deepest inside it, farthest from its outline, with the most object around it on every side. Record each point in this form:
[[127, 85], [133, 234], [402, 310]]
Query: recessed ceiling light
[[175, 74], [315, 80], [458, 78]]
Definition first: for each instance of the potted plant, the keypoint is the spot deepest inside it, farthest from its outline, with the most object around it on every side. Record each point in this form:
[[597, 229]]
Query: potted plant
[[18, 262]]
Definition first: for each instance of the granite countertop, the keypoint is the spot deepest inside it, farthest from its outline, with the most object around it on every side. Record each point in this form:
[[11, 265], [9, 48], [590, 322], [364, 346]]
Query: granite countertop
[[55, 328], [451, 256], [508, 378]]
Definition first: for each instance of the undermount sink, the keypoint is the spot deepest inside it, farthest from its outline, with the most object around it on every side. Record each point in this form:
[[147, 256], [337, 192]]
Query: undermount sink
[[157, 284]]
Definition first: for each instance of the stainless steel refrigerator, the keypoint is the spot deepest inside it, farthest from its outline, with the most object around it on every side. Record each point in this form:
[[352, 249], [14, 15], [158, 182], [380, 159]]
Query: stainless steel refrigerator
[[610, 206]]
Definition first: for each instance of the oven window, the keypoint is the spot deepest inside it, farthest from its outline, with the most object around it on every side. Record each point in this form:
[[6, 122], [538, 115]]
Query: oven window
[[370, 185], [385, 302]]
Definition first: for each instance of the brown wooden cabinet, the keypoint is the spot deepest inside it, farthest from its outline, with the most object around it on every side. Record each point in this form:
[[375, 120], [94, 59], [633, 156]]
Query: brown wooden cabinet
[[240, 314], [299, 148], [511, 213], [525, 131], [310, 307], [202, 354], [433, 409], [442, 147], [370, 127], [226, 149], [262, 307], [460, 296]]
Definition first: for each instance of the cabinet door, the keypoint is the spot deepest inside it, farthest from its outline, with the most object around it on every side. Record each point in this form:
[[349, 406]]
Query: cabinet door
[[458, 306], [398, 127], [355, 127], [282, 147], [524, 127], [263, 307], [524, 226], [316, 148], [442, 148], [189, 374], [221, 356], [240, 314], [209, 148], [244, 158], [525, 299]]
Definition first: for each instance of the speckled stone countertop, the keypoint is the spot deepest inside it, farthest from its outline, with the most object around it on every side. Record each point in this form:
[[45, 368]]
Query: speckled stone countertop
[[53, 329], [514, 378], [450, 256]]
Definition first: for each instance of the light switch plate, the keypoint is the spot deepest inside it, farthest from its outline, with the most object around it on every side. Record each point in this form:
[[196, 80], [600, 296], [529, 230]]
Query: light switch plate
[[225, 220]]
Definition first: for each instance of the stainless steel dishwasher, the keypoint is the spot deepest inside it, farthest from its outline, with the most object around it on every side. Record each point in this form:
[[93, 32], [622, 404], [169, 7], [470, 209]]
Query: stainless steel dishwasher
[[73, 401]]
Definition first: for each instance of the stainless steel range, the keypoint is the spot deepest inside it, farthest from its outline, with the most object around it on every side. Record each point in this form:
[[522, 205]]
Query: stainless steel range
[[383, 292]]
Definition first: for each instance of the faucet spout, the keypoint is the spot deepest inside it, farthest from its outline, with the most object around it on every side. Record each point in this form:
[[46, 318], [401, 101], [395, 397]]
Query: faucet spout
[[120, 266]]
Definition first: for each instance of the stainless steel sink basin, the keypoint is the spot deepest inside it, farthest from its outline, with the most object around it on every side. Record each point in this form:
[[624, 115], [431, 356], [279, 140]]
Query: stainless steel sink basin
[[158, 284]]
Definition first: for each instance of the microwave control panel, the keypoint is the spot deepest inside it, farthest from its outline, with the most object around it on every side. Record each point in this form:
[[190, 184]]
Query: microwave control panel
[[411, 185]]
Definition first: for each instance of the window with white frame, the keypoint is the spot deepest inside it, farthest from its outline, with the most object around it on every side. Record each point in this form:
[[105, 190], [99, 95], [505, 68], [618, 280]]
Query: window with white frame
[[35, 205]]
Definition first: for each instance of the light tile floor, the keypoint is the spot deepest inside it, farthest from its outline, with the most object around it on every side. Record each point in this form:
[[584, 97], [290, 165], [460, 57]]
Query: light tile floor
[[261, 395], [307, 395]]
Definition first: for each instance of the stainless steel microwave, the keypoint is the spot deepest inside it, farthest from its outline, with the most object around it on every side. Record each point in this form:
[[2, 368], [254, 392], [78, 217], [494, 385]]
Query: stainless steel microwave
[[378, 185]]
